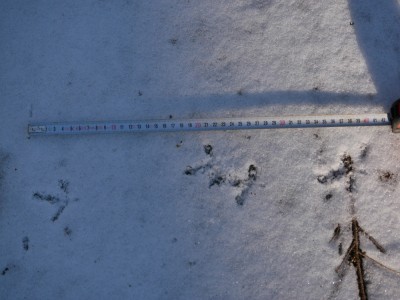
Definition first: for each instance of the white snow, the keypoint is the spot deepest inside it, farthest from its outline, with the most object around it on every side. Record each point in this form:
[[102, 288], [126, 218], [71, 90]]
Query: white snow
[[130, 224]]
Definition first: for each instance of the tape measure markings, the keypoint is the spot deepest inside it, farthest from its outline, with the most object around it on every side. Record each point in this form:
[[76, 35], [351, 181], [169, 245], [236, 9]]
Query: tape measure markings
[[208, 124]]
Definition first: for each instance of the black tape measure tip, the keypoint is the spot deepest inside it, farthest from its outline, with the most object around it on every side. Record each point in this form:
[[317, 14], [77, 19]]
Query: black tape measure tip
[[395, 116]]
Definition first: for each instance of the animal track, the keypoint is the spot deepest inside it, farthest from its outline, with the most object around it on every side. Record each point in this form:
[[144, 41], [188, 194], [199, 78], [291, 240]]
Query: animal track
[[252, 172], [25, 243], [345, 169], [328, 197], [364, 151], [49, 198], [208, 149], [67, 232], [63, 184], [218, 178], [354, 254], [7, 269], [55, 200], [190, 170], [245, 184], [387, 177]]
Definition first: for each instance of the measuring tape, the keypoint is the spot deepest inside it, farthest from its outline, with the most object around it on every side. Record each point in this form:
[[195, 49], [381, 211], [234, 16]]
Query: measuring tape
[[207, 124], [240, 123]]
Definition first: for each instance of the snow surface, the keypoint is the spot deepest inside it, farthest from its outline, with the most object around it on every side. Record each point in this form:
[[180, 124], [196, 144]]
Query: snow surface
[[118, 217]]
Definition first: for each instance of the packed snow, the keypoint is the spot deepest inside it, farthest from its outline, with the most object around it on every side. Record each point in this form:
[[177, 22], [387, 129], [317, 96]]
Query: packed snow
[[257, 214]]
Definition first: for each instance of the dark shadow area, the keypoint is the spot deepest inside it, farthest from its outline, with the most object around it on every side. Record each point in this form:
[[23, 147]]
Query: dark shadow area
[[250, 104], [377, 27]]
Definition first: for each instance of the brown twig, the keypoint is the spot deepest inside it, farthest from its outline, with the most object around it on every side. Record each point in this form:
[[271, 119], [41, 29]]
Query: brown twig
[[356, 255], [374, 241], [340, 270], [380, 264]]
